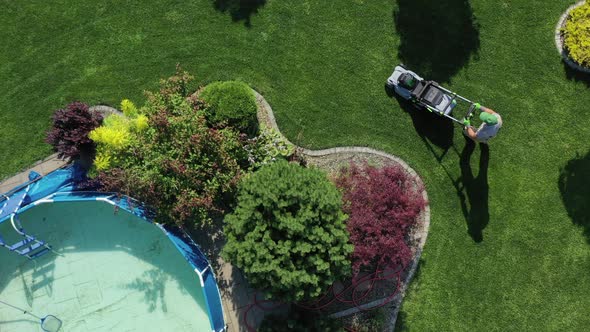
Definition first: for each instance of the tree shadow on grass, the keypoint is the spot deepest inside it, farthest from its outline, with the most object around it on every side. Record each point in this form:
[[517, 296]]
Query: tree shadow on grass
[[574, 185], [437, 38], [240, 10]]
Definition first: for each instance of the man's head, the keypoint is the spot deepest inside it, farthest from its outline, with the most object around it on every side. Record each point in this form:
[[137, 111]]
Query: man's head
[[488, 118]]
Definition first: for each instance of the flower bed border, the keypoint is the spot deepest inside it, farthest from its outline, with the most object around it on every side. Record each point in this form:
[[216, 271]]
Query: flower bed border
[[559, 39]]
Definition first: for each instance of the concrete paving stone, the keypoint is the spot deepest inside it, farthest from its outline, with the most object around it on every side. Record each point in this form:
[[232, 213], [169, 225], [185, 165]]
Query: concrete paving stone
[[6, 187], [51, 165], [237, 298], [228, 274], [12, 182], [38, 168]]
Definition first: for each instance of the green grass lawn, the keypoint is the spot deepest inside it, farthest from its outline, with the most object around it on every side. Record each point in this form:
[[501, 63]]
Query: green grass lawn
[[525, 262]]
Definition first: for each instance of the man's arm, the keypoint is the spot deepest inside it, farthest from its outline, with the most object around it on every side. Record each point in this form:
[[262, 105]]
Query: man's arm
[[471, 133], [487, 110]]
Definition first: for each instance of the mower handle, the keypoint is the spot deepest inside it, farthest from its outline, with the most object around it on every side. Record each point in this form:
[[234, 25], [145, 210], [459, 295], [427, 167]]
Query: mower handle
[[470, 111]]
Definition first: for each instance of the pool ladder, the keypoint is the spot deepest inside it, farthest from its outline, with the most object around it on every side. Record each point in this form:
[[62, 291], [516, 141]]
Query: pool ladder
[[29, 246]]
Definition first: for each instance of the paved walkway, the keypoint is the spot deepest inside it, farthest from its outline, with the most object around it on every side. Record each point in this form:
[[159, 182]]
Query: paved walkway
[[42, 167]]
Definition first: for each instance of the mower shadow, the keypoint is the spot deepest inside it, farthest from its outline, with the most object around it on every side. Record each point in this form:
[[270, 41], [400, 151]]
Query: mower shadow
[[475, 190], [472, 190], [574, 185], [437, 38], [240, 10], [431, 128]]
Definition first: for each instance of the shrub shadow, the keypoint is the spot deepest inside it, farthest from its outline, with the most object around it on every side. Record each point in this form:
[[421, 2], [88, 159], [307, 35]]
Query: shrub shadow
[[240, 10], [574, 185], [152, 284], [576, 75], [437, 38]]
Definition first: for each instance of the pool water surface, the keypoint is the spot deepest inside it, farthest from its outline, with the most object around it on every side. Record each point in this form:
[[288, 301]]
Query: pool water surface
[[113, 272]]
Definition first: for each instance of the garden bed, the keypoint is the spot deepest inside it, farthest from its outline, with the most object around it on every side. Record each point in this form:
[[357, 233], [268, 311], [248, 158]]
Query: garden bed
[[380, 289]]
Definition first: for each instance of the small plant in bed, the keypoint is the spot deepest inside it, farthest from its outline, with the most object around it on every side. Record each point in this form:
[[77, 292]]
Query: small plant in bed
[[384, 205], [268, 147], [576, 35], [71, 126], [231, 103]]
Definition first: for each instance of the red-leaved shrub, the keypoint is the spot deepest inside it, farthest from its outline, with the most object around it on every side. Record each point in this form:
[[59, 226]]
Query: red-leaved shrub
[[69, 134], [384, 205]]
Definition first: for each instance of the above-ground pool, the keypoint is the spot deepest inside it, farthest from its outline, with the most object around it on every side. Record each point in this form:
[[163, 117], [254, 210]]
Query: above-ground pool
[[112, 271]]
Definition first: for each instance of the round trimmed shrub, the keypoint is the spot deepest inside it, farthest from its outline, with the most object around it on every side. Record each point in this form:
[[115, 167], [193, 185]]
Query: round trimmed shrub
[[576, 35], [232, 103], [288, 233]]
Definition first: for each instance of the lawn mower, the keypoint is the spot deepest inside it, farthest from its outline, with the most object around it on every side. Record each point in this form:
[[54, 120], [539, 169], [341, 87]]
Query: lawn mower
[[428, 94]]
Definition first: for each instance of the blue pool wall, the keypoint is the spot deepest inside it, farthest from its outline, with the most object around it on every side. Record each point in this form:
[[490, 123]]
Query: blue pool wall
[[63, 185]]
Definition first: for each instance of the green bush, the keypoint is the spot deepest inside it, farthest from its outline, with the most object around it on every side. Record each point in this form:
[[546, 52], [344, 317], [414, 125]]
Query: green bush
[[577, 34], [288, 232], [231, 103], [185, 170]]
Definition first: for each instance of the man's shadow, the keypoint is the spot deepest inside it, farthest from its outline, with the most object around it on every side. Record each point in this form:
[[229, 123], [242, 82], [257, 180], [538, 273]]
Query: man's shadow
[[475, 189]]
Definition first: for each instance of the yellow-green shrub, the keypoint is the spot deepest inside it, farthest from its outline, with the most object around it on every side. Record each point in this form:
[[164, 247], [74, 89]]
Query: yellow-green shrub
[[576, 35], [140, 123], [114, 132], [128, 108], [115, 135]]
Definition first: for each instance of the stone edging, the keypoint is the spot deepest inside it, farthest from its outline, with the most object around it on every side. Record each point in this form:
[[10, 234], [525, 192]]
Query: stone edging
[[265, 115], [559, 40], [104, 110]]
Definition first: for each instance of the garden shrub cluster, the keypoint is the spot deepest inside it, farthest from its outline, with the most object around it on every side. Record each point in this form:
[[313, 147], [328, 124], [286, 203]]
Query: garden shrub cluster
[[178, 165], [288, 233], [71, 126], [231, 103], [576, 34], [384, 205]]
